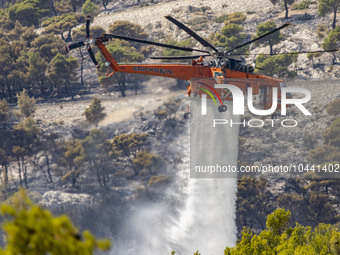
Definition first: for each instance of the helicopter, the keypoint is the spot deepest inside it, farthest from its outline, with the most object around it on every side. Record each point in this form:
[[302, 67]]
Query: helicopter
[[202, 75]]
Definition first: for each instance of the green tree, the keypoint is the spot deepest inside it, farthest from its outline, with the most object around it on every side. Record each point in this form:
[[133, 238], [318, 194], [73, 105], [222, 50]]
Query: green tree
[[279, 238], [7, 63], [99, 153], [61, 24], [231, 36], [271, 39], [31, 229], [37, 72], [61, 7], [95, 112], [15, 33], [286, 3], [128, 29], [276, 65], [63, 70], [48, 46], [26, 133], [26, 104], [332, 41], [129, 145], [4, 112], [29, 12], [73, 157], [90, 9], [329, 6]]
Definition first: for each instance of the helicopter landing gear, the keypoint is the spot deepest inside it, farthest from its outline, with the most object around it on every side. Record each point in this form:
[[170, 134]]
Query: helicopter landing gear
[[222, 108], [187, 115]]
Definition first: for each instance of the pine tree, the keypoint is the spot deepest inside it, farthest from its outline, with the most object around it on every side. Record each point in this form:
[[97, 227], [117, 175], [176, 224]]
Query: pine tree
[[231, 36], [25, 134], [73, 157], [4, 112], [63, 70], [286, 3], [332, 41], [30, 230], [90, 9], [279, 238], [329, 6], [26, 104], [95, 112], [271, 39], [99, 152], [29, 12]]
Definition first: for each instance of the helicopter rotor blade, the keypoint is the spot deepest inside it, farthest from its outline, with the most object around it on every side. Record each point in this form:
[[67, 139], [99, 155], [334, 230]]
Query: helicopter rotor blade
[[95, 62], [152, 43], [87, 26], [286, 53], [180, 57], [190, 32], [260, 37], [74, 46]]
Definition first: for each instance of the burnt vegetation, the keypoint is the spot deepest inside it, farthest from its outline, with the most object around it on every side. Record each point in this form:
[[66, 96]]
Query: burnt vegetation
[[34, 64]]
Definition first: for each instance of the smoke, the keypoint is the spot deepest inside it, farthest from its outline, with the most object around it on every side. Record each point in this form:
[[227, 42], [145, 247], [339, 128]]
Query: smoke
[[203, 217]]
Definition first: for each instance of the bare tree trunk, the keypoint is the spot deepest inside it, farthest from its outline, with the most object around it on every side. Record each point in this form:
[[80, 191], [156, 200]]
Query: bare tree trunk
[[48, 168], [24, 170], [122, 85], [53, 9], [286, 7], [334, 18], [81, 68], [105, 4], [19, 169]]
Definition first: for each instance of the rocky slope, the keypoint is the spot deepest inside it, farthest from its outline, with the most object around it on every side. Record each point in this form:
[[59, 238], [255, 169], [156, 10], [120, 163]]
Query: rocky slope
[[299, 36], [267, 145]]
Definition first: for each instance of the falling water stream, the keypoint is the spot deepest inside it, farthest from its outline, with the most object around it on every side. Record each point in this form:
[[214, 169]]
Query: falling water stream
[[205, 219]]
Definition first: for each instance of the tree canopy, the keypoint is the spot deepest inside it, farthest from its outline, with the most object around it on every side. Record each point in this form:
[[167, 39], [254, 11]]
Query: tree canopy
[[29, 12], [26, 104], [332, 41], [271, 39], [329, 6], [33, 230], [279, 238], [95, 112]]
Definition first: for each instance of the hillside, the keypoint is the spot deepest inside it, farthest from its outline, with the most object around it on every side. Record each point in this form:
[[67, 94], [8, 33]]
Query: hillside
[[127, 174]]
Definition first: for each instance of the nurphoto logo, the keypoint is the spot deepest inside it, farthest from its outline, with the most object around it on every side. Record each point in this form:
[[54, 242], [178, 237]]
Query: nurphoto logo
[[239, 102]]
